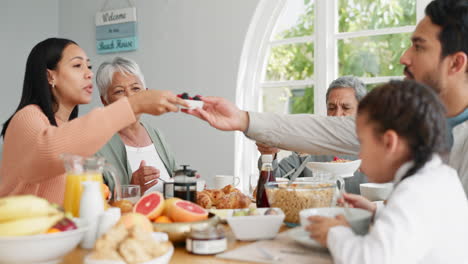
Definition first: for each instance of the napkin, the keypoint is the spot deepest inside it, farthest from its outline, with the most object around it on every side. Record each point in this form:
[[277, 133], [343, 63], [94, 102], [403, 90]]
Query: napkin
[[283, 247]]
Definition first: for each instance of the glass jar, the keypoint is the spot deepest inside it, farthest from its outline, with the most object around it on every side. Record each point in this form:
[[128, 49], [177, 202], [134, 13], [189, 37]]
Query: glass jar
[[207, 241]]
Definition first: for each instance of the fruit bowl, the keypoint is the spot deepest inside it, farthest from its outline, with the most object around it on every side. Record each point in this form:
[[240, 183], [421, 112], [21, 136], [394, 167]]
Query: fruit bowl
[[342, 169], [43, 248], [178, 231], [256, 227], [194, 104]]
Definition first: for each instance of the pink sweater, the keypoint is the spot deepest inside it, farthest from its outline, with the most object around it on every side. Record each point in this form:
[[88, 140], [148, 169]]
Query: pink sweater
[[31, 163]]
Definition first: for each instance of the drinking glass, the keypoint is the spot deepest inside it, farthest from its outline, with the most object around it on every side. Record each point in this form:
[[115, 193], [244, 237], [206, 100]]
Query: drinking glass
[[131, 192]]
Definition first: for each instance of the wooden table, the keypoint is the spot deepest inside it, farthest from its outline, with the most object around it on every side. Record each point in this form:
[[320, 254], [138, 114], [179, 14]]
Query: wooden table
[[180, 254]]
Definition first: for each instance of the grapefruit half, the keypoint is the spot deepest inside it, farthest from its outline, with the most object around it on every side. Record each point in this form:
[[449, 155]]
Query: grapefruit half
[[186, 211], [151, 205]]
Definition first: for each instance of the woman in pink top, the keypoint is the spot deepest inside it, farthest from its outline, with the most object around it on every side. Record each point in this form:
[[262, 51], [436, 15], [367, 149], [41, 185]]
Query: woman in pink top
[[58, 78]]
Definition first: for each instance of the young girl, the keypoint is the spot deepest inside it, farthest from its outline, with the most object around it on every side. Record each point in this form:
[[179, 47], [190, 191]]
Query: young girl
[[58, 78], [402, 130]]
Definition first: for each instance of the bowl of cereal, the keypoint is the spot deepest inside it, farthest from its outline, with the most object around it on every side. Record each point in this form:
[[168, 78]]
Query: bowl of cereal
[[300, 195], [339, 167]]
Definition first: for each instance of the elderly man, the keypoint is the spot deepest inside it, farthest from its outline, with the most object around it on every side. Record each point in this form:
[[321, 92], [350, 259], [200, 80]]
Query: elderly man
[[437, 57], [342, 98]]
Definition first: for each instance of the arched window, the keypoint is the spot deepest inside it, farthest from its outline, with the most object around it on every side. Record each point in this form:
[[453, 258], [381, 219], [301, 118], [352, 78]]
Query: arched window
[[295, 48]]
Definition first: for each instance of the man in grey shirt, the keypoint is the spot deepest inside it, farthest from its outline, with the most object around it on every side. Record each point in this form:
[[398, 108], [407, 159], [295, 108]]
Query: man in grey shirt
[[438, 57], [342, 99]]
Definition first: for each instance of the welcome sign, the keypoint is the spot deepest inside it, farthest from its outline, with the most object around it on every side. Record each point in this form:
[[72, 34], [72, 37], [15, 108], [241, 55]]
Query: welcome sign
[[116, 30]]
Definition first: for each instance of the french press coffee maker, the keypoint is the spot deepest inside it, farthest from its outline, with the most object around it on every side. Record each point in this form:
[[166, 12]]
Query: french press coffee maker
[[184, 185]]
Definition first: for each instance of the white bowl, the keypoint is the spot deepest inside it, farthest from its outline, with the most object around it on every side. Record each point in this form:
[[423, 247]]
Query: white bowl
[[40, 249], [342, 169], [193, 104], [359, 219], [376, 191], [256, 227], [164, 259]]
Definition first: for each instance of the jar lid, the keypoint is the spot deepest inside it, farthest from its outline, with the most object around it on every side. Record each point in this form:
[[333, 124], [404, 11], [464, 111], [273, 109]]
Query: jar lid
[[207, 232]]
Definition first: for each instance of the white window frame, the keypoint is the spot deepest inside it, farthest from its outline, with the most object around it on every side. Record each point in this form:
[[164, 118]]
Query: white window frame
[[254, 59]]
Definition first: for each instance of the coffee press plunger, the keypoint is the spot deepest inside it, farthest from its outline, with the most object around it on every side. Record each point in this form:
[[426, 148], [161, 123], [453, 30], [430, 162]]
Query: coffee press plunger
[[184, 185]]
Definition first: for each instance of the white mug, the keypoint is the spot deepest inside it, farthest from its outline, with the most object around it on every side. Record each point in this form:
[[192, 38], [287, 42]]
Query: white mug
[[200, 185], [223, 180]]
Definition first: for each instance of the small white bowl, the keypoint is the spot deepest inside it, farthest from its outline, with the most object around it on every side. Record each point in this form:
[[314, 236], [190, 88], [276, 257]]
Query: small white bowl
[[359, 219], [376, 191], [43, 249], [256, 227], [342, 169], [193, 104]]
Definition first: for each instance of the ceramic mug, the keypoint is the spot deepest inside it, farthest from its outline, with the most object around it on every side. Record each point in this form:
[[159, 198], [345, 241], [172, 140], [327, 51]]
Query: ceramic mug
[[223, 180]]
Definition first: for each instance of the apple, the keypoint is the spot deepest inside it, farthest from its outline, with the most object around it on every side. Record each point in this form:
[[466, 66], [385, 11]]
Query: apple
[[65, 224]]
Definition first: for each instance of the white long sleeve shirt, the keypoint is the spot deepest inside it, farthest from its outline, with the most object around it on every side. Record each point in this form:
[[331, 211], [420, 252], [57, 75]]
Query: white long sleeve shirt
[[318, 135], [421, 223]]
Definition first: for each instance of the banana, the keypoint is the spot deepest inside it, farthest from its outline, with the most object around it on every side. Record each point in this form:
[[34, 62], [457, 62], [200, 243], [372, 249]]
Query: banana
[[24, 206], [29, 226]]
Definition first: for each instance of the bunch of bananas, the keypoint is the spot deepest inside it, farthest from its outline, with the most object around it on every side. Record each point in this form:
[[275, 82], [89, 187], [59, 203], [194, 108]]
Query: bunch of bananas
[[24, 215]]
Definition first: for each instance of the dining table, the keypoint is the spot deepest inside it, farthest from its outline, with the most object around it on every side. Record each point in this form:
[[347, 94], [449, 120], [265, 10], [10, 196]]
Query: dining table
[[182, 256]]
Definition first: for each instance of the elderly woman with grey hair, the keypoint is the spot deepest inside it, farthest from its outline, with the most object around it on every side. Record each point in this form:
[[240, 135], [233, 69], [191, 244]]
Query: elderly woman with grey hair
[[139, 152], [342, 98]]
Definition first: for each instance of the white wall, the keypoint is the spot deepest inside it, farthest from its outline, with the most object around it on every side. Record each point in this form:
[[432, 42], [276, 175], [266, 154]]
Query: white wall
[[23, 23], [189, 46], [185, 45]]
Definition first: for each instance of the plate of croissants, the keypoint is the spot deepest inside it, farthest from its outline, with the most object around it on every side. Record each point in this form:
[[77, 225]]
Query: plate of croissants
[[226, 198]]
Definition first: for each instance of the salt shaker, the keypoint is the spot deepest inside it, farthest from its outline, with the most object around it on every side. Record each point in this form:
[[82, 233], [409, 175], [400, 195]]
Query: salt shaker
[[107, 220], [91, 207]]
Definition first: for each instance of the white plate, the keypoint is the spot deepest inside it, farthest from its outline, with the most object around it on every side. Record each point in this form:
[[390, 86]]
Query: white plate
[[342, 169], [302, 237]]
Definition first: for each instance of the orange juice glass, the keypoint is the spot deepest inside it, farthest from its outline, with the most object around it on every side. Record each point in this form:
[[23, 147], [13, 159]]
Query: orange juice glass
[[73, 190], [80, 169]]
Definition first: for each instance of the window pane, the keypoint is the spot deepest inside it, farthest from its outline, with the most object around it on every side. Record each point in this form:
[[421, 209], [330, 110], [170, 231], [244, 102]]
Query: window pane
[[372, 56], [357, 15], [285, 100], [302, 101], [296, 20], [291, 62], [371, 86], [276, 100]]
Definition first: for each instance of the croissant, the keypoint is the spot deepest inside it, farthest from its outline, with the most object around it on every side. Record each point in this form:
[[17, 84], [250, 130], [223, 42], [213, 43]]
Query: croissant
[[229, 189], [215, 195], [204, 200], [234, 200]]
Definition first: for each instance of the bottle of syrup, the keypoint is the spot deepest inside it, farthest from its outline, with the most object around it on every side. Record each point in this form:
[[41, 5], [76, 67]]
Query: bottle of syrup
[[266, 175]]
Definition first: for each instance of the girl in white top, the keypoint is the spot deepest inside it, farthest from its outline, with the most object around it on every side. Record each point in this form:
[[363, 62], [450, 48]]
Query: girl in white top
[[402, 130]]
